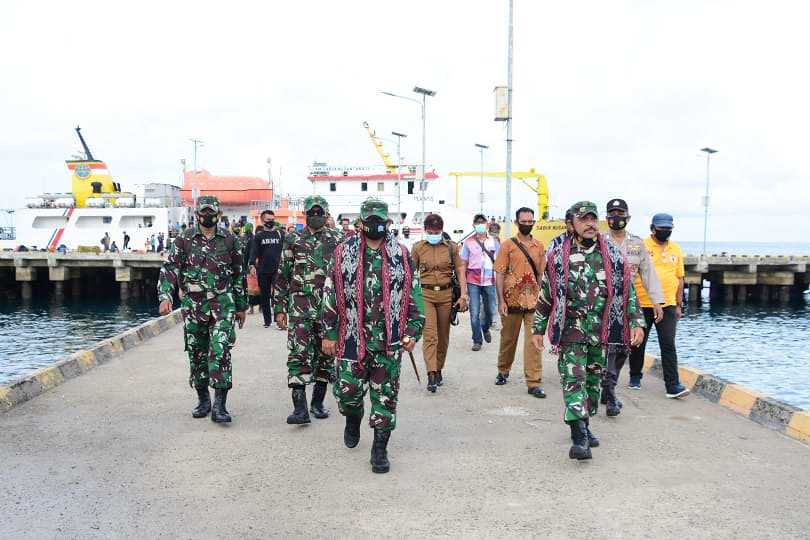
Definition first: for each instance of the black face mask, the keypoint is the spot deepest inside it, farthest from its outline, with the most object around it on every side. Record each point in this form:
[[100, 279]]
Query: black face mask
[[208, 220], [617, 223], [374, 229], [316, 222], [662, 235], [586, 242], [525, 229], [269, 223]]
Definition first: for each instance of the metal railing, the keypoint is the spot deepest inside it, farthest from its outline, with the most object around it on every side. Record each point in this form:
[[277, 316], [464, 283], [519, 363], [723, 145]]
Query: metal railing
[[8, 233]]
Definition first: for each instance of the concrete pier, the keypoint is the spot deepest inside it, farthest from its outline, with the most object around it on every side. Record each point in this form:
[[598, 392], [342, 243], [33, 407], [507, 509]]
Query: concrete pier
[[88, 273], [114, 453], [731, 278]]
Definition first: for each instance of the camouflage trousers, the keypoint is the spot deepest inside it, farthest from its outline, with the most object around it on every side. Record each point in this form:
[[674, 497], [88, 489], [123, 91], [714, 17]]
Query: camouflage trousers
[[305, 361], [581, 366], [209, 338], [380, 376]]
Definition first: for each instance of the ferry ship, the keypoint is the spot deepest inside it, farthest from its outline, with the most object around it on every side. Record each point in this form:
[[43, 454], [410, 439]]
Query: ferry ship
[[96, 206]]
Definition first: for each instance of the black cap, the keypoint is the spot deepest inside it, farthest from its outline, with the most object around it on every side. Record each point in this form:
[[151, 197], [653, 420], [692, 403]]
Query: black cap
[[617, 204]]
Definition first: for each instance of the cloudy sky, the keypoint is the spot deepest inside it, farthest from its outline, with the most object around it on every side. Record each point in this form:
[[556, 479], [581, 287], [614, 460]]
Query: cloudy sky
[[610, 98]]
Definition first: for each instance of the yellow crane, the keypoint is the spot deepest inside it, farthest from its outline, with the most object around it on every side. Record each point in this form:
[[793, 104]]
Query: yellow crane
[[539, 186], [389, 165]]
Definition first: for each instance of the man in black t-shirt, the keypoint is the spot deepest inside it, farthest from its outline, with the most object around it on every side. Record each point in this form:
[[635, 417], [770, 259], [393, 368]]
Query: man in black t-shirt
[[265, 256]]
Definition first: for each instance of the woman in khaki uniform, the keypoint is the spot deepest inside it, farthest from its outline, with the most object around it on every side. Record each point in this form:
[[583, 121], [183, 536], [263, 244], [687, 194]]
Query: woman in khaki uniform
[[435, 258]]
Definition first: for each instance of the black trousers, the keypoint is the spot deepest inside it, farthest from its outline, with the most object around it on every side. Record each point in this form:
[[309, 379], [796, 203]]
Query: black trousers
[[666, 342], [266, 289]]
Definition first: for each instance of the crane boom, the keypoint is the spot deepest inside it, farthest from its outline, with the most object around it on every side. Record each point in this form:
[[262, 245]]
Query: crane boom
[[540, 185], [389, 165]]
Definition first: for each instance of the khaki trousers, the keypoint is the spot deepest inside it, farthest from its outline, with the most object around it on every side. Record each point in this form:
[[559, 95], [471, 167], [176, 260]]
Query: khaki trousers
[[532, 360], [436, 334]]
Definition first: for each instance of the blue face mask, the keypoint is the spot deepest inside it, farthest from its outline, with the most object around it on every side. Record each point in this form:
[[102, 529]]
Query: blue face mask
[[481, 228], [433, 239]]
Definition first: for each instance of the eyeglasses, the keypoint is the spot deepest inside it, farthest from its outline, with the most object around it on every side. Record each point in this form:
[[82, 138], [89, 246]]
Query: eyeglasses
[[312, 212]]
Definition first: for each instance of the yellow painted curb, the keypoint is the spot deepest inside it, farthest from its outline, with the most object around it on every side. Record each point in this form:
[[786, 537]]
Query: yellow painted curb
[[50, 378], [689, 376], [739, 399], [5, 399], [115, 345], [155, 326], [799, 427], [87, 360], [649, 360]]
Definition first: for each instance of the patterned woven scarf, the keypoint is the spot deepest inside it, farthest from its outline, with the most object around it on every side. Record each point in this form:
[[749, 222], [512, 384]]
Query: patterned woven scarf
[[615, 327], [396, 283]]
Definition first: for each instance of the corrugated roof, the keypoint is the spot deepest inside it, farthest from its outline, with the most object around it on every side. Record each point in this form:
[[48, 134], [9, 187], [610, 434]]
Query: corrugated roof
[[228, 189]]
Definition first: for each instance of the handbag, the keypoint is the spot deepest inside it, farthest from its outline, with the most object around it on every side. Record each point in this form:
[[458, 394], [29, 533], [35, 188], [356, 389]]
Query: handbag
[[455, 286]]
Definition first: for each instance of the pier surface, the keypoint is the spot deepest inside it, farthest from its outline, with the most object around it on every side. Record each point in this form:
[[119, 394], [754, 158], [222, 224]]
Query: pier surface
[[115, 453]]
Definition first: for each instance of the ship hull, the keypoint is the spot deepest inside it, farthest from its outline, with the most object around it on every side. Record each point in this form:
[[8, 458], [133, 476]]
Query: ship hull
[[50, 228]]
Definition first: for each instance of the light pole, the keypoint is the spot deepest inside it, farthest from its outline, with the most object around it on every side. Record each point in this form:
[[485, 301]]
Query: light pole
[[425, 92], [482, 147], [709, 152], [399, 180], [509, 115], [197, 143]]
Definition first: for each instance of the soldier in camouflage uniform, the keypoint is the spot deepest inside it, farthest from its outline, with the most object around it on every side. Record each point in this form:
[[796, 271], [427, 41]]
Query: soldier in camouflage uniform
[[372, 310], [205, 264], [587, 302], [297, 295]]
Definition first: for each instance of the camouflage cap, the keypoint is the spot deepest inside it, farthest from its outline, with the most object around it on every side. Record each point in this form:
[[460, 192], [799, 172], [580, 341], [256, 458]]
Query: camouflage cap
[[315, 200], [207, 201], [373, 207], [583, 208]]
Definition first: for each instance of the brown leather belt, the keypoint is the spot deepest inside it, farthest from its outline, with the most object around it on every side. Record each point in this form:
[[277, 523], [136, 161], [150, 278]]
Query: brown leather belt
[[435, 287]]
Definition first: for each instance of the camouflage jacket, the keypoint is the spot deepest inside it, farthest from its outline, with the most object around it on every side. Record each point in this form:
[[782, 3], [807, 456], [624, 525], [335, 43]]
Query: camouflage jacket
[[205, 269], [298, 287], [586, 294], [374, 315]]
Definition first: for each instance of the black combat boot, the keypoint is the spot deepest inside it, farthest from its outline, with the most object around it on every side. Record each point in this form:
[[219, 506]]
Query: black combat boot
[[316, 405], [439, 378], [299, 399], [593, 441], [218, 412], [579, 438], [431, 385], [379, 452], [351, 433], [612, 405], [203, 403]]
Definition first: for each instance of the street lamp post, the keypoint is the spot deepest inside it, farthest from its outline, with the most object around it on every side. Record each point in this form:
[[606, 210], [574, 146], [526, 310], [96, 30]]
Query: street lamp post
[[709, 152], [482, 147], [510, 61], [197, 143], [399, 178], [425, 93]]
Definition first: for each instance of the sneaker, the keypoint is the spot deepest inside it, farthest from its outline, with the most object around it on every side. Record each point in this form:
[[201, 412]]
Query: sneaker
[[476, 347], [501, 379], [488, 336], [537, 392], [677, 391], [635, 382]]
